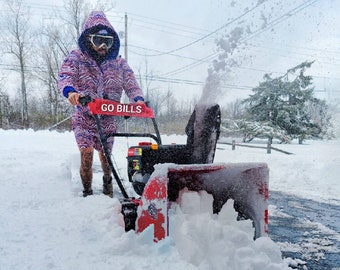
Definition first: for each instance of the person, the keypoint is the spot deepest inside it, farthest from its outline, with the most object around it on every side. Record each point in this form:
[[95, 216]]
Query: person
[[96, 70]]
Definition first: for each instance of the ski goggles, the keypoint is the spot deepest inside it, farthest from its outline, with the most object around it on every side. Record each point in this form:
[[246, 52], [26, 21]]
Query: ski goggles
[[100, 40]]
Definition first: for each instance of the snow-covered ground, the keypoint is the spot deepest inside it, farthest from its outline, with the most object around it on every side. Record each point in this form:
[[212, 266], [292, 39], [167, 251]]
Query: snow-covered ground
[[46, 224]]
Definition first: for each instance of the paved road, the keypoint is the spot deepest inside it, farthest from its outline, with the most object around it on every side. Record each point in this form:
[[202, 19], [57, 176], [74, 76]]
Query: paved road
[[306, 230]]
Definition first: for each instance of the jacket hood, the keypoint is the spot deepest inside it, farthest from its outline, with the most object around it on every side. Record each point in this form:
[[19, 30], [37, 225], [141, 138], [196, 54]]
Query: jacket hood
[[95, 22]]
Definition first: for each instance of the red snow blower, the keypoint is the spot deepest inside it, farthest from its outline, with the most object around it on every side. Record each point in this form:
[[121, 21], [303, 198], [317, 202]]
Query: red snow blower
[[159, 173]]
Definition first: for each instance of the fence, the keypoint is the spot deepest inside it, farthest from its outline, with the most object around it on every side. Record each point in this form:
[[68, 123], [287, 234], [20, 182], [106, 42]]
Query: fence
[[269, 147]]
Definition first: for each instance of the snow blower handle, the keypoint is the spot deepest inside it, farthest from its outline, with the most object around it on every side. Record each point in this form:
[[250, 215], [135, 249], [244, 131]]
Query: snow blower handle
[[84, 101], [114, 108]]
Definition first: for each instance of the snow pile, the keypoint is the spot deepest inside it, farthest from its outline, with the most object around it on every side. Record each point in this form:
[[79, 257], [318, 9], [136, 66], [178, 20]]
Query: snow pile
[[46, 224], [219, 241]]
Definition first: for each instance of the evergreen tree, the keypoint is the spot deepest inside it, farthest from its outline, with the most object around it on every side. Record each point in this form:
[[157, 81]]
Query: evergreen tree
[[284, 103]]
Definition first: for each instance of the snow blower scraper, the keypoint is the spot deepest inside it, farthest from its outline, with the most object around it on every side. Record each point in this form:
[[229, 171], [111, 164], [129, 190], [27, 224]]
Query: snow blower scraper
[[159, 173]]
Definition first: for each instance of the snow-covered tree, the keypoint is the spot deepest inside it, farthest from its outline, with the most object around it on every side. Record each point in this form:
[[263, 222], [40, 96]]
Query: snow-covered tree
[[284, 103]]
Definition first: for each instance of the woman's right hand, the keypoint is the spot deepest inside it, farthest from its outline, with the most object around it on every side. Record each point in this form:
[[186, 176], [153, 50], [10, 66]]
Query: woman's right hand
[[73, 98]]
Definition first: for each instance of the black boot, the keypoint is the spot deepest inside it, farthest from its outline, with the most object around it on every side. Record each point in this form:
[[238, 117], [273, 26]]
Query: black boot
[[107, 186], [87, 193]]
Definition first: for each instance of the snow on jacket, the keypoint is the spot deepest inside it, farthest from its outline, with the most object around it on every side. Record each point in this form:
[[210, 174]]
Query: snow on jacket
[[103, 79]]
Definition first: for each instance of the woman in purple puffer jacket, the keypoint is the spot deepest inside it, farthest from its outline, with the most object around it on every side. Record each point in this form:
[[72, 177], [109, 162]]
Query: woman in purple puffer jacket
[[96, 70]]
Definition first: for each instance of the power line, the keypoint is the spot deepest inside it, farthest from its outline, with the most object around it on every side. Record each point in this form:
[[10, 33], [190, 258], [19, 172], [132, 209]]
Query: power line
[[177, 34], [299, 57], [200, 83], [172, 54], [207, 35], [162, 28], [136, 17], [171, 23], [255, 33], [284, 17], [197, 61], [294, 52], [290, 13], [300, 47], [206, 59], [190, 82]]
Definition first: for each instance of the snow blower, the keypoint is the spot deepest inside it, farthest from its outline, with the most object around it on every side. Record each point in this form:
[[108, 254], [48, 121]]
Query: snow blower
[[159, 173]]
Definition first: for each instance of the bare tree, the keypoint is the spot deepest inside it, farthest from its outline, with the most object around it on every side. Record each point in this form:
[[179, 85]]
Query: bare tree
[[16, 37], [59, 38], [146, 80], [235, 110], [49, 62], [170, 102]]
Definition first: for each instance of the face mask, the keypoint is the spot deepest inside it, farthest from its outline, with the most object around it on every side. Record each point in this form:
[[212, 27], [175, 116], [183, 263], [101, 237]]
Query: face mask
[[100, 41]]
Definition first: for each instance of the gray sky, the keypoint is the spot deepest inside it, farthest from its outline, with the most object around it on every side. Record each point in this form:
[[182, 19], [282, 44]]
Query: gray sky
[[176, 41], [177, 34]]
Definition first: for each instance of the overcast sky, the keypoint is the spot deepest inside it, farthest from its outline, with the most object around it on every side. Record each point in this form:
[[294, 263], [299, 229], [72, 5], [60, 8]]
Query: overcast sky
[[176, 41], [284, 34]]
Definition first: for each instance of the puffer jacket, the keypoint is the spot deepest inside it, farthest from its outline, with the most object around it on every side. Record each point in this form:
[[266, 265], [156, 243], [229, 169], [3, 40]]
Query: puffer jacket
[[105, 79]]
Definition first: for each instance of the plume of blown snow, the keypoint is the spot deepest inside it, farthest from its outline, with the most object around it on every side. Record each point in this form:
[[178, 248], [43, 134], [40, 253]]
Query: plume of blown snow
[[248, 22], [220, 66]]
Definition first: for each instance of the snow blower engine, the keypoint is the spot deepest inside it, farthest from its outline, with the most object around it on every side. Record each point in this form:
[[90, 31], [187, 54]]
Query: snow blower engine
[[159, 173]]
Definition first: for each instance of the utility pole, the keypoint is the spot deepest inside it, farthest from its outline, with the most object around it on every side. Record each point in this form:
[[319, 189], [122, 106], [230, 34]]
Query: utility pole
[[126, 37], [0, 111], [125, 97]]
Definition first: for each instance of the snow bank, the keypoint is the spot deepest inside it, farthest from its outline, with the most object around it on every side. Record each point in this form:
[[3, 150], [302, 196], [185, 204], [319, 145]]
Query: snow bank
[[46, 224], [219, 241]]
